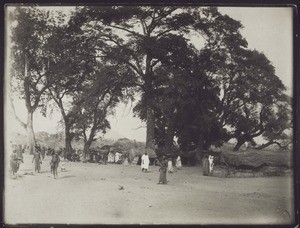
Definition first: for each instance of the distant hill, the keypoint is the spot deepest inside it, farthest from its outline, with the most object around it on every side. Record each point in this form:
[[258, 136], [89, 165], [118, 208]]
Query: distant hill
[[56, 141], [111, 134]]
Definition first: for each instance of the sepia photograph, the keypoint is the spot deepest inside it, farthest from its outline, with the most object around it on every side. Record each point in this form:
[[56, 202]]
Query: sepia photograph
[[148, 114]]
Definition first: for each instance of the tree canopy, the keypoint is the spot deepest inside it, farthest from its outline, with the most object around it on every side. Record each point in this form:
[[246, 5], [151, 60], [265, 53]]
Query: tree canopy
[[197, 79]]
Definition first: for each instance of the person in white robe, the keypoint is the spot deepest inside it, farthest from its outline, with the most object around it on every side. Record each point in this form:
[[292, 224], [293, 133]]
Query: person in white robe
[[170, 166], [178, 162], [111, 158], [145, 162], [117, 157], [211, 163]]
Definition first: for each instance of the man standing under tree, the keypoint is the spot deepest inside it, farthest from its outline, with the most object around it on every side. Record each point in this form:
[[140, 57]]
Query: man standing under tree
[[37, 158], [145, 162]]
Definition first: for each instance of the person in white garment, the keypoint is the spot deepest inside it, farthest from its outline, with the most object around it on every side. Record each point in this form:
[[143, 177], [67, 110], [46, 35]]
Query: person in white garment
[[145, 162], [170, 166], [178, 162], [111, 157], [118, 157], [211, 163]]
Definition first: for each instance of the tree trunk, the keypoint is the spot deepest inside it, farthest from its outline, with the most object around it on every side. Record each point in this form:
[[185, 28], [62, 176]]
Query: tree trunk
[[30, 133], [199, 149], [240, 142], [150, 129], [85, 150], [68, 138], [88, 142], [169, 138]]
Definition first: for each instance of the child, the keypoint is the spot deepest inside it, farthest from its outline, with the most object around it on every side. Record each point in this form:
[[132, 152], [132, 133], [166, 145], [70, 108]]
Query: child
[[54, 164]]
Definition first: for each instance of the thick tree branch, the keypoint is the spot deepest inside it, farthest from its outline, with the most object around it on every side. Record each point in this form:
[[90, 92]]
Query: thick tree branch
[[37, 99], [126, 61], [271, 143], [126, 30]]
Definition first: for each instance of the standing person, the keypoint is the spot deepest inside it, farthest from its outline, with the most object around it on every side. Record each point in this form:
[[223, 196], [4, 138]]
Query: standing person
[[14, 162], [117, 157], [105, 158], [178, 162], [163, 171], [20, 154], [145, 162], [43, 151], [211, 163], [54, 164], [170, 166], [37, 158], [111, 157]]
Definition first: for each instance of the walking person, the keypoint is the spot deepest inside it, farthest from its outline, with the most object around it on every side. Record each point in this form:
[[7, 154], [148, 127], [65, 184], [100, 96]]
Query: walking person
[[145, 162], [37, 159], [54, 164], [163, 171]]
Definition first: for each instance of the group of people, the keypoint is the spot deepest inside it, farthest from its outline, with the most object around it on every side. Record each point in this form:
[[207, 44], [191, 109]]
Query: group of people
[[55, 160], [16, 158], [165, 165], [114, 158]]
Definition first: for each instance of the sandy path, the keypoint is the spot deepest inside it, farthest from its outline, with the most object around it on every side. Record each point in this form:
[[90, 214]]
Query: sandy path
[[89, 193]]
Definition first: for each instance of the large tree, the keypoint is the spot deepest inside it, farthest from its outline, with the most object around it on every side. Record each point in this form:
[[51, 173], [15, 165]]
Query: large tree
[[250, 92], [30, 29], [193, 94], [185, 99], [254, 98], [140, 37]]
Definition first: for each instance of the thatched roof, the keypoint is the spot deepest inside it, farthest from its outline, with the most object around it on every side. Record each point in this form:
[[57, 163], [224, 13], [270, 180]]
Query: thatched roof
[[254, 158], [140, 151]]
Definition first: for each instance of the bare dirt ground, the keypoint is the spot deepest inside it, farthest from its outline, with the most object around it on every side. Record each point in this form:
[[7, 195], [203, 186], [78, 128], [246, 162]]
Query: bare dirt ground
[[92, 194]]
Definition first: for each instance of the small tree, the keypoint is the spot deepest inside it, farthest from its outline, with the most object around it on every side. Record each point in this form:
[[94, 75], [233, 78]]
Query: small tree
[[73, 58], [100, 94]]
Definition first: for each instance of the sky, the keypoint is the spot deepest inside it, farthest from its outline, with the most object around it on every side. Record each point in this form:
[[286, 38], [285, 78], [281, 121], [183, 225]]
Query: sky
[[266, 29]]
